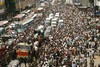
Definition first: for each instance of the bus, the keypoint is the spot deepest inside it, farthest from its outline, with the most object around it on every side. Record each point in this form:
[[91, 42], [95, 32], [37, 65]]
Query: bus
[[25, 24], [22, 23], [34, 16], [23, 50]]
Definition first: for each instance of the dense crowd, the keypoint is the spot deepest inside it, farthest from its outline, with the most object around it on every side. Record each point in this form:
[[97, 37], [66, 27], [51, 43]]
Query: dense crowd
[[67, 46], [70, 45]]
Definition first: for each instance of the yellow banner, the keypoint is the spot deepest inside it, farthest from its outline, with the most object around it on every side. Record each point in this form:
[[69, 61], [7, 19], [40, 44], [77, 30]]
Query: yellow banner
[[2, 3]]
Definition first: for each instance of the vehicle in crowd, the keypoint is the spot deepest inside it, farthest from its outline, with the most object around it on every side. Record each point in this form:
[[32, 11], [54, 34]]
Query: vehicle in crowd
[[34, 16], [23, 23], [40, 12], [60, 22], [51, 15], [38, 33], [47, 31], [47, 22], [57, 15], [54, 22], [23, 50]]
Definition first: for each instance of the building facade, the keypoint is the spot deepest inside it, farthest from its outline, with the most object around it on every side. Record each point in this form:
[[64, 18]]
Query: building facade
[[2, 9], [22, 4]]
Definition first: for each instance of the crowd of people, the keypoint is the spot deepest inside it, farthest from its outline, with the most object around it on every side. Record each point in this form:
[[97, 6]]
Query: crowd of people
[[67, 46], [71, 45]]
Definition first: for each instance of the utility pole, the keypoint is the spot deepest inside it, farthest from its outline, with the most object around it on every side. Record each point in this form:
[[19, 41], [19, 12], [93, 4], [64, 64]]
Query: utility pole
[[19, 6], [95, 8]]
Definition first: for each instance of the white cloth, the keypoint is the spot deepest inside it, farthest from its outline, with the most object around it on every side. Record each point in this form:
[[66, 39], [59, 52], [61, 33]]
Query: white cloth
[[74, 65]]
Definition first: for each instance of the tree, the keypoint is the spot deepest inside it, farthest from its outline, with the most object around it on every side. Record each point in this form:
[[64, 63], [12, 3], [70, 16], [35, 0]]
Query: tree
[[10, 6]]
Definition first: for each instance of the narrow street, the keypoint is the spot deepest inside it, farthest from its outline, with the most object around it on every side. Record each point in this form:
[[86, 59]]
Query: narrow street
[[55, 35]]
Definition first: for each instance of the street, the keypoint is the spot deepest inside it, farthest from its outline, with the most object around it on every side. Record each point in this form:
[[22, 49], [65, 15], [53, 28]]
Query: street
[[57, 35]]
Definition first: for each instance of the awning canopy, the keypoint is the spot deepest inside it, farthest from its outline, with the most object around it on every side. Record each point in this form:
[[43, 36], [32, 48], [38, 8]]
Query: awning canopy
[[3, 22], [19, 16]]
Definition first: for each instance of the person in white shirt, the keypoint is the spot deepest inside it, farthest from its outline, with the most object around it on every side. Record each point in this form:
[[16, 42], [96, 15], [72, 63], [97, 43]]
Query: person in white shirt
[[74, 64]]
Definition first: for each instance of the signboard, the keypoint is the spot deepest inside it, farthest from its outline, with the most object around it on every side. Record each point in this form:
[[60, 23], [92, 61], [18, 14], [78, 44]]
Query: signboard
[[22, 54]]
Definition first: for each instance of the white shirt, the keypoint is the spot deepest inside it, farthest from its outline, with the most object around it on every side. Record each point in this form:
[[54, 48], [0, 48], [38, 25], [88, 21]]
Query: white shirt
[[74, 65]]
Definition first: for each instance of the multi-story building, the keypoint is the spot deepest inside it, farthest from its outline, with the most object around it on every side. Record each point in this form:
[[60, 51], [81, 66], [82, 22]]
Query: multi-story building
[[22, 4], [2, 9], [82, 2]]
